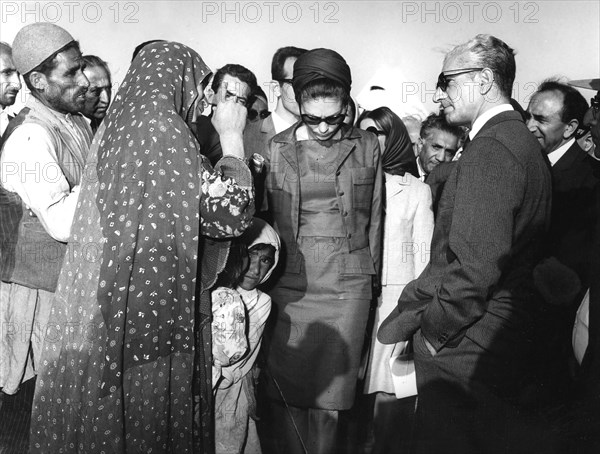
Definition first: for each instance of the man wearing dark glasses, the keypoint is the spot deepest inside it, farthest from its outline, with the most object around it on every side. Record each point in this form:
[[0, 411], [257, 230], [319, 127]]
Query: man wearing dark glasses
[[258, 133], [472, 308], [286, 113]]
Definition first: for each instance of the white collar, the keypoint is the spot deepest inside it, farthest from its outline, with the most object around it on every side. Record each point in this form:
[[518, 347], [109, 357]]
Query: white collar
[[422, 173], [555, 155], [280, 123], [486, 116]]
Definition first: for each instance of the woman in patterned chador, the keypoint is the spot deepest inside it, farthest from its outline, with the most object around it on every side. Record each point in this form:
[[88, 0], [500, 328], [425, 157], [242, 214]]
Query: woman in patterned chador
[[126, 362]]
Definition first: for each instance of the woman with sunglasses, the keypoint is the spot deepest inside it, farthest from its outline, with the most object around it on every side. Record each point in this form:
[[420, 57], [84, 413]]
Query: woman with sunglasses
[[408, 228], [259, 106], [325, 194]]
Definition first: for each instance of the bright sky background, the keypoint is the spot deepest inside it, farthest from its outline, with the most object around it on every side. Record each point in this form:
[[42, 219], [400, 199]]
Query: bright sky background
[[405, 39]]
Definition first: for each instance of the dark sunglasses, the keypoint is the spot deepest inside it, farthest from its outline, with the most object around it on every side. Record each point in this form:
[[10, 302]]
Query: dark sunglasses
[[375, 131], [285, 81], [331, 121], [252, 114], [443, 79]]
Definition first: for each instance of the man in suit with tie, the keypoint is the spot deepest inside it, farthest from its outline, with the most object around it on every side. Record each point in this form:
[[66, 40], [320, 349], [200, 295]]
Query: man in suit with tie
[[472, 310], [10, 85], [257, 135], [555, 114]]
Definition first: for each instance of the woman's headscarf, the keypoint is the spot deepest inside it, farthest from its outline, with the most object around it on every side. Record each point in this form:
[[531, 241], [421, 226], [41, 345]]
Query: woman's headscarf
[[262, 233], [320, 64], [149, 171], [398, 156]]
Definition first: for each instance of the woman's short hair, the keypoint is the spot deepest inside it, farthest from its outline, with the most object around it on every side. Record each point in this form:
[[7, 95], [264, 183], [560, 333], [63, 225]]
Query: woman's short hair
[[323, 88]]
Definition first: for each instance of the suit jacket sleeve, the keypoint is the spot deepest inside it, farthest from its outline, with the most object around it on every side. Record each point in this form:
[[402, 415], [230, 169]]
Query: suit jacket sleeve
[[375, 227], [489, 188]]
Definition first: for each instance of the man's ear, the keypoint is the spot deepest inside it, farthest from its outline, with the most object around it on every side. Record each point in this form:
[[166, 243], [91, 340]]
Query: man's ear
[[209, 95], [419, 145], [38, 80], [486, 76], [276, 88], [588, 143], [570, 129]]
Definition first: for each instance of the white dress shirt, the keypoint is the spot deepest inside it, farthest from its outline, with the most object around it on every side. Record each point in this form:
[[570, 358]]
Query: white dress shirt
[[486, 116], [279, 123], [555, 155]]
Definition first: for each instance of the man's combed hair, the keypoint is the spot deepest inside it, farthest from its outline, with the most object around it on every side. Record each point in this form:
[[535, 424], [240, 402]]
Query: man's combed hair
[[92, 61], [438, 121], [574, 104], [239, 71], [49, 64], [487, 51], [279, 59], [323, 88]]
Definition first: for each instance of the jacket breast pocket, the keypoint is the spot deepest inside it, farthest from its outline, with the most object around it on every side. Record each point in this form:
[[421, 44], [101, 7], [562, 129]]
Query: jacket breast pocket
[[363, 180]]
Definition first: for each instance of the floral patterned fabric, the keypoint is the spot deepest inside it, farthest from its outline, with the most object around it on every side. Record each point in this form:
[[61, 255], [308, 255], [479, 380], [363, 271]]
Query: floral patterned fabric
[[120, 368]]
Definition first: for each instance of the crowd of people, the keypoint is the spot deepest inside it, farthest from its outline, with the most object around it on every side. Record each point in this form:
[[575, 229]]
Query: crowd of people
[[183, 270]]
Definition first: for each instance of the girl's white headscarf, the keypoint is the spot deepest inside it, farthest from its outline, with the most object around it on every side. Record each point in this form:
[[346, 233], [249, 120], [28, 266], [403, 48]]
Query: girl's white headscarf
[[261, 232]]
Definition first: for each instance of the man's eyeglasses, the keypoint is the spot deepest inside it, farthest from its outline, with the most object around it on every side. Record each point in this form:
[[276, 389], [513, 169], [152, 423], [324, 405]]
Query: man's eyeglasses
[[253, 114], [595, 105], [443, 79], [375, 131], [285, 81], [331, 120]]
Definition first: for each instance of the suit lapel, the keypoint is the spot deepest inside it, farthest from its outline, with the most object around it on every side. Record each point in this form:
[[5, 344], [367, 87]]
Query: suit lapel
[[345, 148], [571, 156]]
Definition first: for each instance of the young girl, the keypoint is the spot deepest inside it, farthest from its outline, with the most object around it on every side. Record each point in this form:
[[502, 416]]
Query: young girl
[[235, 431]]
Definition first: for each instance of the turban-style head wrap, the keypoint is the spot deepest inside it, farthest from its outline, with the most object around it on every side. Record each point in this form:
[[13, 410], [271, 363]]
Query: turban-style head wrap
[[320, 64]]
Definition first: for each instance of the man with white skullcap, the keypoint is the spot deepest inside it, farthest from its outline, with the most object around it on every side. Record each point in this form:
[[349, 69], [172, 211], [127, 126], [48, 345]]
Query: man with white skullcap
[[41, 167]]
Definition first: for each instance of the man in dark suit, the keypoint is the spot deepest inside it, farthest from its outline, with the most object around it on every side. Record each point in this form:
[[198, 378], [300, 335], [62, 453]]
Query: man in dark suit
[[555, 114], [10, 85], [257, 135], [586, 337], [473, 308]]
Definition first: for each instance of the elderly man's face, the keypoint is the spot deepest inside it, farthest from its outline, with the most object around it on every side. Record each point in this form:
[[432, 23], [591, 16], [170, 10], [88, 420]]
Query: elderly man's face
[[10, 83], [65, 87], [592, 120], [97, 98], [438, 146], [460, 100], [545, 121]]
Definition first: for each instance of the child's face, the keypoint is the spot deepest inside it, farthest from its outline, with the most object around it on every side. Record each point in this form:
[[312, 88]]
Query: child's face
[[261, 260]]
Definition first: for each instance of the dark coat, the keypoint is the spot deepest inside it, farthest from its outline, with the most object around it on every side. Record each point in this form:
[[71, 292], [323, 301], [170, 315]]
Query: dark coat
[[573, 212], [477, 292]]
